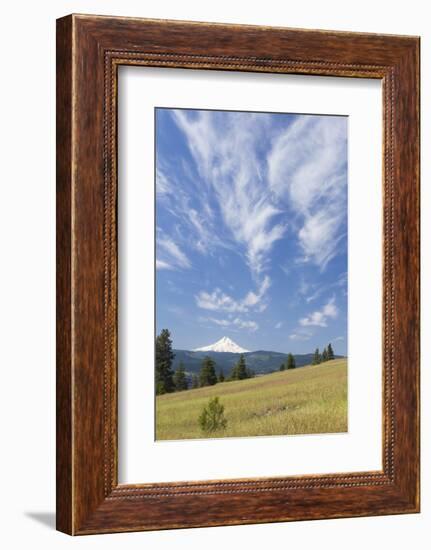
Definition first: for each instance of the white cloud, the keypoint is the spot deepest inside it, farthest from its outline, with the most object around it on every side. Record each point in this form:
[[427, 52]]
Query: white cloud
[[330, 309], [304, 287], [314, 296], [307, 169], [319, 318], [318, 290], [319, 236], [236, 323], [278, 325], [220, 322], [169, 254], [227, 159], [248, 325], [160, 264], [163, 185], [189, 204], [303, 173], [220, 301], [301, 335], [204, 236], [254, 298]]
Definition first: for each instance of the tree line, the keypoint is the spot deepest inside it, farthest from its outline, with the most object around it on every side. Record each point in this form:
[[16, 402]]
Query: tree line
[[290, 363], [168, 380], [326, 355]]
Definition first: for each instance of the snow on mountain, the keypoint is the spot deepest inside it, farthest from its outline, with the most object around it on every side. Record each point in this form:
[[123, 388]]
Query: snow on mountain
[[225, 344]]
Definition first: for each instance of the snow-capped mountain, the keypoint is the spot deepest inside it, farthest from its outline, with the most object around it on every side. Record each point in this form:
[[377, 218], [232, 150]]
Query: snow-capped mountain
[[225, 344]]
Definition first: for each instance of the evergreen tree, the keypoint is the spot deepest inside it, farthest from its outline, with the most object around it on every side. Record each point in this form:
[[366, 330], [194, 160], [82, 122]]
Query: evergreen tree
[[164, 359], [212, 418], [221, 376], [316, 357], [324, 355], [241, 368], [180, 380], [239, 371], [250, 373], [291, 364], [330, 353], [282, 366], [207, 375], [195, 382]]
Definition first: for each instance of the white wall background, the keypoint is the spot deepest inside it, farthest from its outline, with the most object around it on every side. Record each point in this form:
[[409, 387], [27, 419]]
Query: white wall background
[[27, 279]]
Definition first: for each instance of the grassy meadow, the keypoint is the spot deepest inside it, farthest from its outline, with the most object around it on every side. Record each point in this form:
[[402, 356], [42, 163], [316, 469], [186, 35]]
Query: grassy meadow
[[304, 400]]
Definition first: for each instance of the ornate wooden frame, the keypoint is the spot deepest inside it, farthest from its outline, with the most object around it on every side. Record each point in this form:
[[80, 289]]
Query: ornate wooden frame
[[89, 51]]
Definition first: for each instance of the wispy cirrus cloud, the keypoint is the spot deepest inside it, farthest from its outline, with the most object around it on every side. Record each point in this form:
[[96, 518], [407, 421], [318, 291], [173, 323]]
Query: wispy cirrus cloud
[[161, 264], [237, 323], [205, 237], [169, 254], [254, 298], [226, 154], [318, 289], [246, 197], [190, 205], [307, 166], [300, 335], [319, 318], [220, 301], [163, 183]]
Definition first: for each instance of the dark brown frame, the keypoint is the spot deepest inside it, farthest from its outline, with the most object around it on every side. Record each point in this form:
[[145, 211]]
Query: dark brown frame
[[89, 51]]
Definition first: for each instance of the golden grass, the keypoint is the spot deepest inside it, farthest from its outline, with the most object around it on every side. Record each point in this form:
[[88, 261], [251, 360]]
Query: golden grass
[[305, 400]]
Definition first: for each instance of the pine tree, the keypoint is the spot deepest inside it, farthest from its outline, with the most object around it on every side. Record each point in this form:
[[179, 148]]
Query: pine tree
[[164, 359], [330, 353], [282, 366], [180, 380], [324, 355], [212, 418], [291, 364], [239, 371], [250, 373], [207, 375], [221, 376], [242, 368], [233, 373], [195, 382], [316, 357]]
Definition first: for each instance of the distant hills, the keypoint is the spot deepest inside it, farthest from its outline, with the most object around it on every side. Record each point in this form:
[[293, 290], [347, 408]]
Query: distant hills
[[225, 352], [262, 362]]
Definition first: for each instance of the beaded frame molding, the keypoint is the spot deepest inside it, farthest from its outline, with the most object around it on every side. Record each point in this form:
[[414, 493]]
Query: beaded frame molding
[[89, 51]]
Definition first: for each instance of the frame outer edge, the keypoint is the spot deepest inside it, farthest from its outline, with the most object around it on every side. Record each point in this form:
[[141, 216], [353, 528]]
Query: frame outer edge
[[407, 279], [81, 506], [64, 300]]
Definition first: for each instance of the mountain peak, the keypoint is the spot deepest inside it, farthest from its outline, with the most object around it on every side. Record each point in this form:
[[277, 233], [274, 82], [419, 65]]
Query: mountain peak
[[225, 344]]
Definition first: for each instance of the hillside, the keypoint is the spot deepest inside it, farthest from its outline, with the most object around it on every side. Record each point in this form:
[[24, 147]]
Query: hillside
[[312, 399], [262, 362]]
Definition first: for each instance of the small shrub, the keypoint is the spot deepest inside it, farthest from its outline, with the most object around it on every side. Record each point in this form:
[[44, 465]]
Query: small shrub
[[212, 417]]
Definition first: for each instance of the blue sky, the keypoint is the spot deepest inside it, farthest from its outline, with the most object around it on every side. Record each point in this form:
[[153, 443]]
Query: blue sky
[[251, 229]]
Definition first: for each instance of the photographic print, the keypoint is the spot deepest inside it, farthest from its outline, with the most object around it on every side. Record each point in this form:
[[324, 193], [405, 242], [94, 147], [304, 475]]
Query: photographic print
[[251, 274]]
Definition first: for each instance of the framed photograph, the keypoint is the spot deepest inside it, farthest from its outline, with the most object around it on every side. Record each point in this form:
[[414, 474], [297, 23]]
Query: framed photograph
[[237, 274]]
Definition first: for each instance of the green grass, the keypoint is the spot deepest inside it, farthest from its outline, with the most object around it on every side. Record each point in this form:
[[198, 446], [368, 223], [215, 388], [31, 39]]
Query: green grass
[[305, 400]]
